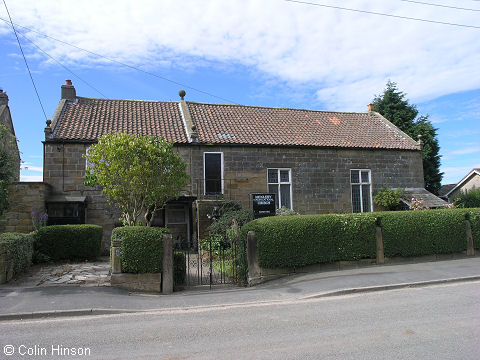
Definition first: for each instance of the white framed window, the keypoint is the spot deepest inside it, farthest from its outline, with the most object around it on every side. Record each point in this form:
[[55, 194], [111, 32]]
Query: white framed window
[[361, 183], [279, 182], [213, 173], [88, 165]]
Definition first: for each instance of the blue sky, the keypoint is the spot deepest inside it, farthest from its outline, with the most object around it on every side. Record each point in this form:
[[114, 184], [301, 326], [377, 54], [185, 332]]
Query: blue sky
[[268, 53]]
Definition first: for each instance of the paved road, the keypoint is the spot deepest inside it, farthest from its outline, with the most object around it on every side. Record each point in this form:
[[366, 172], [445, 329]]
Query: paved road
[[70, 297], [434, 322]]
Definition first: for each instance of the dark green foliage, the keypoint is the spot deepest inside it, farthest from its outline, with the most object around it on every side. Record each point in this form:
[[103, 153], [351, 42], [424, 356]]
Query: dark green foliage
[[474, 217], [179, 269], [69, 242], [142, 248], [292, 241], [394, 107], [20, 249], [417, 233], [469, 199], [224, 222]]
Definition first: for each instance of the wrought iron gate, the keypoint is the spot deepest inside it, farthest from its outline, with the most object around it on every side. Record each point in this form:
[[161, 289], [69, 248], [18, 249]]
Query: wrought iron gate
[[214, 262]]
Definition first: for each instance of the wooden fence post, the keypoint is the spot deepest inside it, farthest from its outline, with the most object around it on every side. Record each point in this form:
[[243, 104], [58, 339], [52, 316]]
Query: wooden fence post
[[116, 256], [167, 264], [380, 250]]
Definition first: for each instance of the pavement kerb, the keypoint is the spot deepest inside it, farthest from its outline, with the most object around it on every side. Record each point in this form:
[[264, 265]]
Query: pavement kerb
[[349, 291], [391, 287]]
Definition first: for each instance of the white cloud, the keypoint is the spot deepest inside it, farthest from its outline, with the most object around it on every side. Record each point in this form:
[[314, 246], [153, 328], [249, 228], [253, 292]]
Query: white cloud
[[467, 150], [345, 56], [453, 174], [31, 178], [26, 166]]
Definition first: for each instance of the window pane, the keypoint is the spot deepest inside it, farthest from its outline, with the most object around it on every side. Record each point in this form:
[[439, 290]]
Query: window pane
[[213, 173], [356, 207], [284, 176], [354, 176], [273, 189], [365, 177], [285, 196], [272, 175], [366, 197]]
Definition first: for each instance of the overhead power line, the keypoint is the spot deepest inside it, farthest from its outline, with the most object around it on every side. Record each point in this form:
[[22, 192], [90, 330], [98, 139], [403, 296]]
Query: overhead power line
[[123, 64], [383, 14], [440, 5], [25, 59], [66, 68]]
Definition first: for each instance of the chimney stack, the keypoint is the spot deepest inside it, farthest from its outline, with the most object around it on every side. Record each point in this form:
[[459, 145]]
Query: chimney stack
[[68, 91], [3, 98], [371, 107]]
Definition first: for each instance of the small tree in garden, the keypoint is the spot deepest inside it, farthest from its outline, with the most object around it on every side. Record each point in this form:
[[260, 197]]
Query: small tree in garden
[[8, 165], [139, 174]]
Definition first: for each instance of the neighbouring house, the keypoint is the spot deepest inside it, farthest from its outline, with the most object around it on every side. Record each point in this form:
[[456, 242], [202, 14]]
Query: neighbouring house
[[24, 197], [444, 189], [314, 161], [470, 182]]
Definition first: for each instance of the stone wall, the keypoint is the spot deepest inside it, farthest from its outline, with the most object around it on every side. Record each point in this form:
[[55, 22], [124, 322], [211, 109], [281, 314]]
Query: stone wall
[[24, 197], [320, 177], [64, 171]]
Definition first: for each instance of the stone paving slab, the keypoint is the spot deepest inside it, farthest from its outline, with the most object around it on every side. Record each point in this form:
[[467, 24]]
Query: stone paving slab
[[95, 273]]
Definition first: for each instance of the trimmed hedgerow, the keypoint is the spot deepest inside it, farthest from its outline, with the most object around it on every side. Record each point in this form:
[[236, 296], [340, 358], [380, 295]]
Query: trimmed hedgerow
[[69, 242], [142, 248], [293, 241], [19, 248], [474, 217], [417, 233]]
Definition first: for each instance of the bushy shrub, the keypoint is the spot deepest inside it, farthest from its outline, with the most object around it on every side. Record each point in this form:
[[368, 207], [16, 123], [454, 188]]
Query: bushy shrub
[[142, 248], [417, 233], [69, 242], [224, 222], [179, 269], [388, 198], [469, 199], [292, 241], [283, 211], [20, 248]]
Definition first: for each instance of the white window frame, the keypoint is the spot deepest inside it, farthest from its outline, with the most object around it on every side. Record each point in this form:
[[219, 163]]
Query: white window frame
[[280, 183], [204, 168], [361, 183], [88, 165]]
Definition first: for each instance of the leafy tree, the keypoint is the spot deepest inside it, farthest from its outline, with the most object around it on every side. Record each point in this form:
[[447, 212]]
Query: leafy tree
[[8, 165], [394, 107], [138, 173]]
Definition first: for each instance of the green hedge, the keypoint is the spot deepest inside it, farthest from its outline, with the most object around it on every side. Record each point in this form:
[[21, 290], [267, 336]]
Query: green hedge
[[474, 217], [417, 233], [20, 248], [142, 248], [292, 241], [69, 242]]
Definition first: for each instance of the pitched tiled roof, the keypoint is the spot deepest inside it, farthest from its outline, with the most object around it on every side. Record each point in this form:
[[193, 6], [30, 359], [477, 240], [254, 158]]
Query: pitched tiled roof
[[88, 119], [238, 124]]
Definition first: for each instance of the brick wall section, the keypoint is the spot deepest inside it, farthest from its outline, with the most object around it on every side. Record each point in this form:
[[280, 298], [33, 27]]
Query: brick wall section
[[24, 198], [320, 177], [64, 171]]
